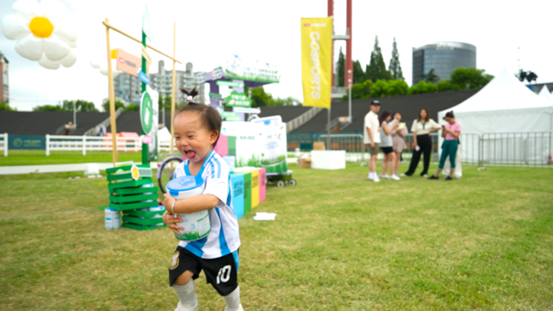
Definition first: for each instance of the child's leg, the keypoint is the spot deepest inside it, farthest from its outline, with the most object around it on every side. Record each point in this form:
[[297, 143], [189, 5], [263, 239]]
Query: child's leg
[[185, 290], [222, 274]]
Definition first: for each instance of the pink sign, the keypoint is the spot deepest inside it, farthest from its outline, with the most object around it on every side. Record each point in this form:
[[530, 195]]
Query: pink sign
[[146, 139], [222, 146]]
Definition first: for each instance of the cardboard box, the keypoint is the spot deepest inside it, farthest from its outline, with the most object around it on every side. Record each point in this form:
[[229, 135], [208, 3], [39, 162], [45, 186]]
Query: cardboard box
[[304, 162], [319, 145]]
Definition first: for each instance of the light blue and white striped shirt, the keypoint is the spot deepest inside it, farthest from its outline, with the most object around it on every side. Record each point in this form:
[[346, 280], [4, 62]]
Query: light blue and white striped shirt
[[224, 237]]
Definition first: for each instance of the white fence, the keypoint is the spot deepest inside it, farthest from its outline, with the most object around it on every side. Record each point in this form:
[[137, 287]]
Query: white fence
[[4, 143], [93, 143]]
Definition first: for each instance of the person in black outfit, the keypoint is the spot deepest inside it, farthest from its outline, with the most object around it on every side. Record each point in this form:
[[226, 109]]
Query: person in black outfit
[[422, 143]]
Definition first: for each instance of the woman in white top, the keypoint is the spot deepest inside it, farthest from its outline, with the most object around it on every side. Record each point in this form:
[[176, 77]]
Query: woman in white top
[[422, 143]]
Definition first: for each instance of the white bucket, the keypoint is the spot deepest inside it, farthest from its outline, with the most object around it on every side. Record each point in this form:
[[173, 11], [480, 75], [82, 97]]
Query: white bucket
[[196, 225], [112, 218]]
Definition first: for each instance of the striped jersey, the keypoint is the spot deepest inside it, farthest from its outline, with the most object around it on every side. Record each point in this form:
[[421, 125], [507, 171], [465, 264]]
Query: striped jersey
[[224, 237]]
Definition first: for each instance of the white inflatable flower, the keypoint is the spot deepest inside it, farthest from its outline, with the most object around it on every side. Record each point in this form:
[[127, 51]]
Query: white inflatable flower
[[42, 32]]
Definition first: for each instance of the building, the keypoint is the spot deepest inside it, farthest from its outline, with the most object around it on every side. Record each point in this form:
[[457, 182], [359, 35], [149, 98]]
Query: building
[[128, 87], [4, 79], [162, 82], [443, 57]]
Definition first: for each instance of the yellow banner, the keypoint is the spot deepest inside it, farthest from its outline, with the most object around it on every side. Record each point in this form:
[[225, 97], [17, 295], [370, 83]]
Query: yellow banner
[[316, 61]]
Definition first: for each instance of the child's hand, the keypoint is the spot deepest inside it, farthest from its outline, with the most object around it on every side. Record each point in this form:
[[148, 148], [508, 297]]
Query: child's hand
[[168, 202], [171, 222]]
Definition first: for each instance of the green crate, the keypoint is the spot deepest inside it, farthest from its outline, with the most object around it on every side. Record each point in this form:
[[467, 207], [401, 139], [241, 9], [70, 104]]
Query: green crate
[[129, 206], [140, 227], [136, 190], [137, 213], [132, 198], [141, 221], [128, 184], [125, 168]]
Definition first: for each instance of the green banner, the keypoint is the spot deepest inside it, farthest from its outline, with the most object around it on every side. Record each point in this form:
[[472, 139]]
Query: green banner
[[236, 99], [26, 142]]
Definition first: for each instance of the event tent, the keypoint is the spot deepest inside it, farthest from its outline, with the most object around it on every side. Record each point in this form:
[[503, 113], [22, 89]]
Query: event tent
[[545, 94], [504, 116]]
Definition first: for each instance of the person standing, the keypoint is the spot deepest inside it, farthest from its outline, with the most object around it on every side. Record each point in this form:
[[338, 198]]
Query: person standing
[[451, 132], [371, 137], [422, 143], [398, 140], [386, 145]]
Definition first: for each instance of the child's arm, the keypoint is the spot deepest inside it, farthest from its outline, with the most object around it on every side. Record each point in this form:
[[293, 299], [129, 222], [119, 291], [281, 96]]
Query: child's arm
[[190, 205]]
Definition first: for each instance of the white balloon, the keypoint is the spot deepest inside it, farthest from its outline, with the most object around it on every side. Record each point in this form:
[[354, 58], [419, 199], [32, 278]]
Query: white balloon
[[69, 60], [49, 64], [94, 64], [29, 47], [55, 48], [14, 27], [27, 9]]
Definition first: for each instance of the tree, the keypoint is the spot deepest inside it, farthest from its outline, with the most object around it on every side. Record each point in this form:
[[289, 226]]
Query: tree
[[132, 107], [395, 67], [118, 104], [446, 86], [260, 98], [376, 70], [48, 108], [340, 69], [389, 88], [360, 90], [6, 107], [470, 78], [358, 73], [423, 87], [80, 106], [430, 77]]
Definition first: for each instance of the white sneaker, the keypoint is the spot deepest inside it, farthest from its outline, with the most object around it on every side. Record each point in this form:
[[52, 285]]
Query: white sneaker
[[239, 309], [376, 179], [383, 176], [402, 175], [183, 308], [394, 177]]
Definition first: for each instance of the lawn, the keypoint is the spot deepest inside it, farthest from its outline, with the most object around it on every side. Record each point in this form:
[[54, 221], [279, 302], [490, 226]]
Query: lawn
[[38, 157], [339, 242]]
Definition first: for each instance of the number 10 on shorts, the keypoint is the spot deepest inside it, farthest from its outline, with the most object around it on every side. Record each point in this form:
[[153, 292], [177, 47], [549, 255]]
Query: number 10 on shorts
[[224, 274]]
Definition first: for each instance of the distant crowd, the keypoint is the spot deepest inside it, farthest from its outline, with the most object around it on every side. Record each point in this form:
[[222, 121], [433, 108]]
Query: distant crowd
[[387, 133]]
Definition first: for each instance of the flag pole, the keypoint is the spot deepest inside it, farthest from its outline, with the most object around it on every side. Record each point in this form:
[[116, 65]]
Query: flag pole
[[111, 102], [173, 90]]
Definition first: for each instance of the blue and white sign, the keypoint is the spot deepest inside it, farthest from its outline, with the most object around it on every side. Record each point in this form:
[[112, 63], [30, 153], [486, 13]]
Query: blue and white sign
[[143, 77]]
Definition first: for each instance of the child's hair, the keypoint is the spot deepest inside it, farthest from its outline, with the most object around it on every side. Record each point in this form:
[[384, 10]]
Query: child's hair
[[210, 116], [383, 116]]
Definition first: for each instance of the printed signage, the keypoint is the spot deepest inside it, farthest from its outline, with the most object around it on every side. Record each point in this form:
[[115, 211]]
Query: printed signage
[[251, 70], [143, 77], [215, 74], [148, 119], [230, 116], [129, 63], [246, 110], [231, 83], [146, 56], [26, 142], [236, 99]]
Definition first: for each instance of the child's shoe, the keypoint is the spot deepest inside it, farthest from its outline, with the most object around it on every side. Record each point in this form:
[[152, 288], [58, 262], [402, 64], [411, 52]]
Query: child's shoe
[[239, 309], [183, 308]]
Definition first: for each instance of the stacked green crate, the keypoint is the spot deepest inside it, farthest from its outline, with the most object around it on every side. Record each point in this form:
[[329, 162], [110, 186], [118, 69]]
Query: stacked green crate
[[133, 193]]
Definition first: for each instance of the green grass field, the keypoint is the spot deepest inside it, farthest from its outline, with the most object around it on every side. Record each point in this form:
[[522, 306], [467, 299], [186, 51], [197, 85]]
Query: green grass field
[[38, 157], [339, 242]]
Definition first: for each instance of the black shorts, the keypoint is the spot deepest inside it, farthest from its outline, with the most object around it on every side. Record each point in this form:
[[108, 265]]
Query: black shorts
[[387, 150], [221, 273]]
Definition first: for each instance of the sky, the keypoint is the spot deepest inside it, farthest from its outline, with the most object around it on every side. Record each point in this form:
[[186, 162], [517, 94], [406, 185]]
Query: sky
[[509, 35]]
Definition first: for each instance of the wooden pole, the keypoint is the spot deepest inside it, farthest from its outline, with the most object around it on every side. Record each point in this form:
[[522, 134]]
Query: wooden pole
[[139, 41], [173, 89], [111, 100]]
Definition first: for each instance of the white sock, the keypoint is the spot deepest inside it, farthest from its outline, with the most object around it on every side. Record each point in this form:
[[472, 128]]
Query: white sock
[[371, 175], [187, 294], [233, 299]]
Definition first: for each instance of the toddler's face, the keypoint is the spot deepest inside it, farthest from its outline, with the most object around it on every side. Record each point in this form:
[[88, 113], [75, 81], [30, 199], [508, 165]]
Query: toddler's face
[[192, 138]]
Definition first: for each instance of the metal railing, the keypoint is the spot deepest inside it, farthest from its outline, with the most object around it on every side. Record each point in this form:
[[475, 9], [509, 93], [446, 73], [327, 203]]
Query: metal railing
[[516, 149], [4, 143], [302, 119], [351, 143]]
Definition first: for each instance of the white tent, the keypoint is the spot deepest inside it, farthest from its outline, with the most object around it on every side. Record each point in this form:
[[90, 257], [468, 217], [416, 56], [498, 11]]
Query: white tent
[[163, 135], [504, 105], [545, 94]]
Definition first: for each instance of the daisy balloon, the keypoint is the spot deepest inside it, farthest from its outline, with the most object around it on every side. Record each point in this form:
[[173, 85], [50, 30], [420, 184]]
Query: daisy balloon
[[42, 32]]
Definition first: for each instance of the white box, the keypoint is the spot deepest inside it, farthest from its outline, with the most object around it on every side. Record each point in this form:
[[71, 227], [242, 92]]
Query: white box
[[328, 159]]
